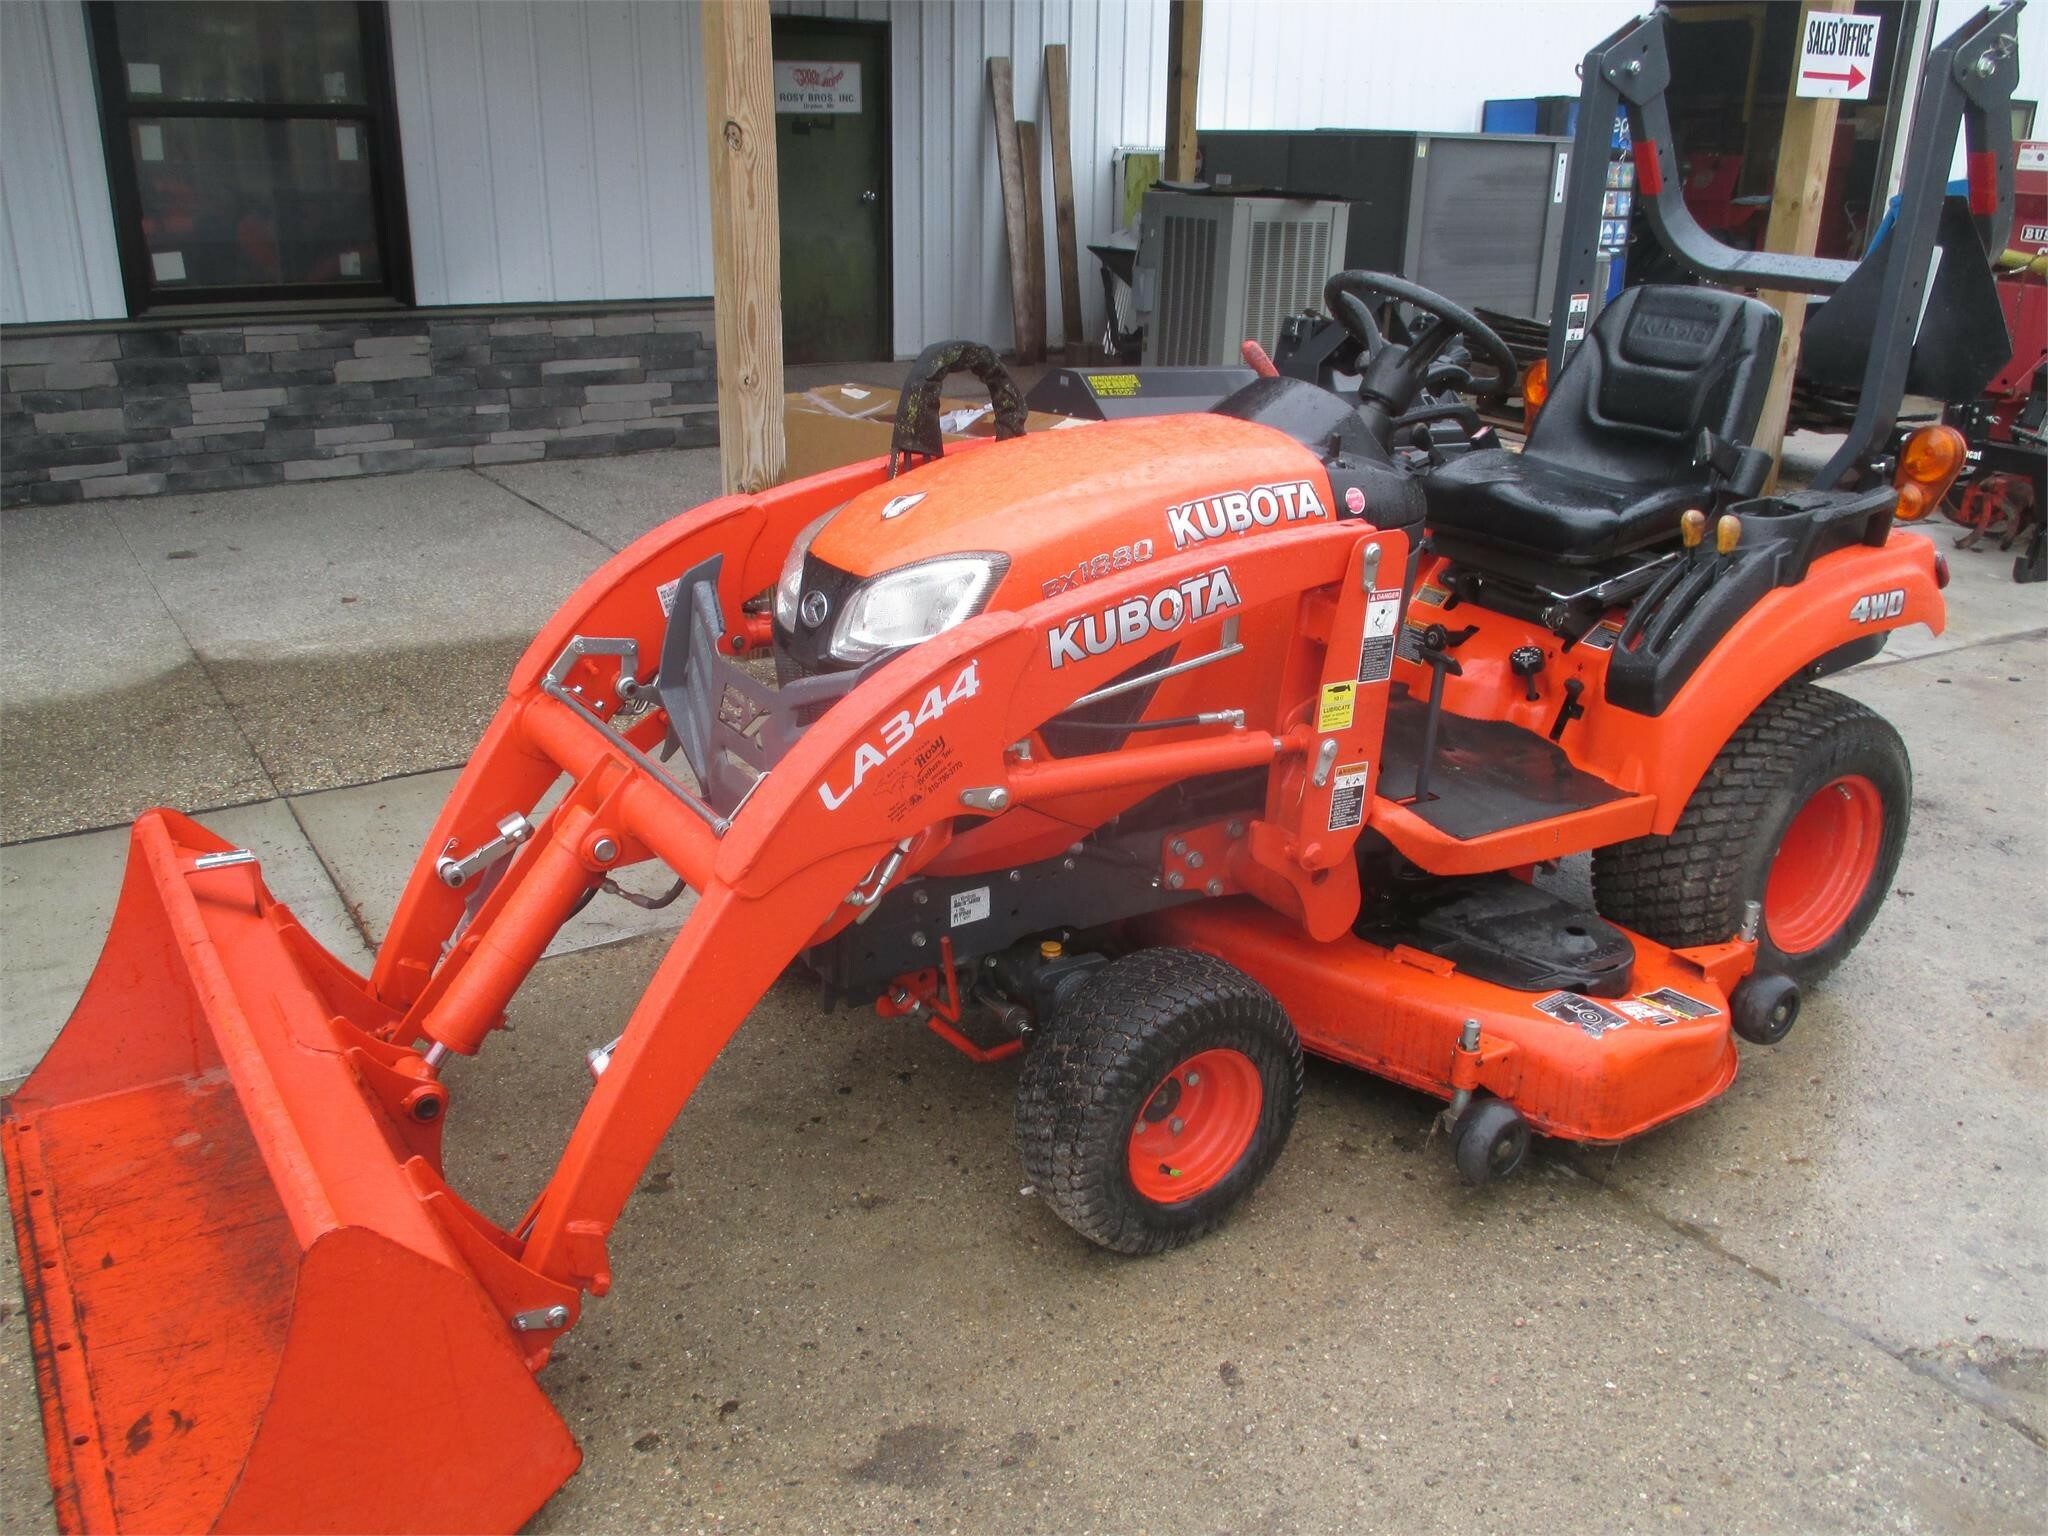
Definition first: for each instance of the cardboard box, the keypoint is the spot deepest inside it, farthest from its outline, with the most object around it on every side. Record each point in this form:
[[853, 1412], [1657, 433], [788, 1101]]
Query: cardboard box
[[839, 424]]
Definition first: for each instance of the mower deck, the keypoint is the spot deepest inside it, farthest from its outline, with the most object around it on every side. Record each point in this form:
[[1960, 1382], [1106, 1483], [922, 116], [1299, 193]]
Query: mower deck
[[1580, 1068]]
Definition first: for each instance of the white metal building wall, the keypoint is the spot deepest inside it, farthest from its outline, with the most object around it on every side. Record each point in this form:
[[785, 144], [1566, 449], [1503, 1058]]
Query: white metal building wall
[[58, 260], [555, 151]]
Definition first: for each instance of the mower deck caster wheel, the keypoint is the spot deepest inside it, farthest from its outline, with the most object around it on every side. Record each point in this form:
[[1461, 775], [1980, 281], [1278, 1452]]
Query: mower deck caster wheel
[[1490, 1141], [1764, 1009]]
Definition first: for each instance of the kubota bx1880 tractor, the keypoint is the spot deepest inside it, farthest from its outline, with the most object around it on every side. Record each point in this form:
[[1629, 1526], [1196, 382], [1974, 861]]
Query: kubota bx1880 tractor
[[1159, 751]]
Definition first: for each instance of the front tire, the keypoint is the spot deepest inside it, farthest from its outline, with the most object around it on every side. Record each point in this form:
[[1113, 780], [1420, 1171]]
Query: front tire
[[1804, 810], [1157, 1098]]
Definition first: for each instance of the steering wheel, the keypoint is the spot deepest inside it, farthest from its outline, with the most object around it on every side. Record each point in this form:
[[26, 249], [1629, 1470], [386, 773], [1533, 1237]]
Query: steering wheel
[[1393, 373]]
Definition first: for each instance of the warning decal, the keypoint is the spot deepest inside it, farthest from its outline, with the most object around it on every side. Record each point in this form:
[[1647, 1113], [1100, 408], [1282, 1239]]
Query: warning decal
[[1347, 797], [969, 906], [1411, 640], [1576, 316], [1376, 650], [1674, 1001], [1113, 386], [666, 595], [1603, 635], [1339, 704], [1596, 1019]]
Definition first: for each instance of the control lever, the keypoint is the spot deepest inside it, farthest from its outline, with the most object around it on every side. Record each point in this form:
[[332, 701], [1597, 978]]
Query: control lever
[[1526, 661], [1437, 645], [1571, 709]]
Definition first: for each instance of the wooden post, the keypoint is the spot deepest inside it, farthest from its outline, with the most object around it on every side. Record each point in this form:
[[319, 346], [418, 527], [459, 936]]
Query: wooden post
[[746, 242], [1805, 141], [1063, 197], [1183, 76]]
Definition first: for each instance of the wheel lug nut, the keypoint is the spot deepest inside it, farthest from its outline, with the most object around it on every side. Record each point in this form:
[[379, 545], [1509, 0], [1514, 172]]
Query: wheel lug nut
[[1194, 1078], [1176, 1123]]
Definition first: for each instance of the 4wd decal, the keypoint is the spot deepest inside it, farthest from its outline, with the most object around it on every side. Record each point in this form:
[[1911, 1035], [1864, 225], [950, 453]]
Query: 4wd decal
[[900, 729], [1123, 557], [1878, 606], [1287, 501], [1124, 623], [1596, 1019]]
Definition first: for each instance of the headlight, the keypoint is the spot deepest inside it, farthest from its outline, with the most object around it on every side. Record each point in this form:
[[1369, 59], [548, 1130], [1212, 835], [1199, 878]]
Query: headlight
[[903, 607], [789, 586]]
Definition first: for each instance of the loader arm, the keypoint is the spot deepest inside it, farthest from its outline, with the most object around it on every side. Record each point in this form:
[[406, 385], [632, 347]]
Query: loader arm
[[922, 741]]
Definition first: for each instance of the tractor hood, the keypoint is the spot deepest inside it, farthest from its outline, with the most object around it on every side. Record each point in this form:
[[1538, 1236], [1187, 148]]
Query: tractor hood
[[1007, 525]]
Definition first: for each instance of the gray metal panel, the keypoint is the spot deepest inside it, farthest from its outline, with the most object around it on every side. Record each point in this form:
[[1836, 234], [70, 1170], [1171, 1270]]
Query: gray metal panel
[[1480, 217]]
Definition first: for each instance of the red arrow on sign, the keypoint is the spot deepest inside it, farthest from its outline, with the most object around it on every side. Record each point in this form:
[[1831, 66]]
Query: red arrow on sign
[[1853, 78]]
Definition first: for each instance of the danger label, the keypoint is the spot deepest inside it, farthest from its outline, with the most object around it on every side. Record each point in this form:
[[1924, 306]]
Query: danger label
[[1837, 56], [1376, 649], [1338, 706], [969, 906], [1347, 796]]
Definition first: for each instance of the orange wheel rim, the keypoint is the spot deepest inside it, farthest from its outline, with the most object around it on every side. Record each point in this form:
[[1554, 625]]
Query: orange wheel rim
[[1824, 864], [1195, 1126]]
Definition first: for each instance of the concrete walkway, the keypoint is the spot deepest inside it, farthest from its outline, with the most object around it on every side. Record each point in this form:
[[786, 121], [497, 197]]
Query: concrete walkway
[[1822, 1303]]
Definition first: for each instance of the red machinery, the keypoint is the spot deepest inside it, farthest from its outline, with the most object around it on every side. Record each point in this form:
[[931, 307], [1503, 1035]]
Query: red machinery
[[1156, 750]]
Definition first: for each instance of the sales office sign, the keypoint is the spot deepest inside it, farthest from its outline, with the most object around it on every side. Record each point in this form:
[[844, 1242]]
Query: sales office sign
[[812, 86]]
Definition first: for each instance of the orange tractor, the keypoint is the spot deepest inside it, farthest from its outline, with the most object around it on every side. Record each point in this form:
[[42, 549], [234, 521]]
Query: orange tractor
[[1157, 751]]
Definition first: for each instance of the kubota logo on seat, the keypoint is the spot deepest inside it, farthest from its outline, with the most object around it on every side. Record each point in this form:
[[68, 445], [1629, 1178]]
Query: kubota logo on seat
[[1196, 598], [1287, 501]]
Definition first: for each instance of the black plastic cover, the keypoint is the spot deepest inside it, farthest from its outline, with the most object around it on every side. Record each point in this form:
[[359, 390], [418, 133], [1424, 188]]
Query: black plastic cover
[[1498, 929]]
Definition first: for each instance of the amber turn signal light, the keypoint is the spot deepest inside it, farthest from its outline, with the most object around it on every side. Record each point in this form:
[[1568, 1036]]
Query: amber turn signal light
[[1928, 466], [1535, 390]]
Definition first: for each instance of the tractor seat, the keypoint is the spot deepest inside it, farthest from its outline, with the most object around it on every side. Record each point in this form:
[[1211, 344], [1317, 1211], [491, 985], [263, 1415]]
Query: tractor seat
[[1615, 458]]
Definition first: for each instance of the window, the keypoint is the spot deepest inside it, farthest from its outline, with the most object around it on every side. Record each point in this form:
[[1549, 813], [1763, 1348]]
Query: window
[[253, 150]]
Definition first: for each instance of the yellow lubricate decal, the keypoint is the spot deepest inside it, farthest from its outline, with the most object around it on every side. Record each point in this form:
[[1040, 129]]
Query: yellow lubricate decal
[[1339, 703]]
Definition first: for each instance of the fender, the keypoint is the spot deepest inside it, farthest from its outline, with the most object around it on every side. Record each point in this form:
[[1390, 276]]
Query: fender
[[1775, 643]]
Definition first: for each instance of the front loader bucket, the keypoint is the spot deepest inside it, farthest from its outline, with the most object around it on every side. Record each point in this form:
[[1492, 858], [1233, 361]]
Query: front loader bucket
[[253, 1304]]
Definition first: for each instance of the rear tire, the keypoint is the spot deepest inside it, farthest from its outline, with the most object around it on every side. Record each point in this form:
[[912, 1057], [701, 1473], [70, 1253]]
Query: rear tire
[[1804, 810], [1157, 1098]]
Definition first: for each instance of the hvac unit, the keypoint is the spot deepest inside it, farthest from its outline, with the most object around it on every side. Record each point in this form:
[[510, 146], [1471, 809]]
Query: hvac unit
[[1213, 271], [1479, 218]]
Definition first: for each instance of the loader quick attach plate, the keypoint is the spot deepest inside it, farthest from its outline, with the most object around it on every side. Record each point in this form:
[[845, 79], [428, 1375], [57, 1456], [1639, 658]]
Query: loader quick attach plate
[[731, 726]]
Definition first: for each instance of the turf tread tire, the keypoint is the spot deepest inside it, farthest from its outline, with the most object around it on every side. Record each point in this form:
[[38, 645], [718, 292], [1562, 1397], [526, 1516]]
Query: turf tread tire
[[1689, 888], [1098, 1060]]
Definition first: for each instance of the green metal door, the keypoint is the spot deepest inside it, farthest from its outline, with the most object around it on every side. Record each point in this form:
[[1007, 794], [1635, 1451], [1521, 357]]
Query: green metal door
[[832, 158]]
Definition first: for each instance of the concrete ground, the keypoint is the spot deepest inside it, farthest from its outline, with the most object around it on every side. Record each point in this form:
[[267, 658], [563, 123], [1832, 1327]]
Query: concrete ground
[[1819, 1304]]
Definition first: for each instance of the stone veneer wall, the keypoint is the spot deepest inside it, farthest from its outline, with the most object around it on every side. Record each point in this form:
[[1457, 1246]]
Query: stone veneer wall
[[137, 409]]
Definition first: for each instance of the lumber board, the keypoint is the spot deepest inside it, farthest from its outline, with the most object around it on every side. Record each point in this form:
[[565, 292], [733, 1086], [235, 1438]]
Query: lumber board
[[1057, 95], [1033, 165], [1002, 101]]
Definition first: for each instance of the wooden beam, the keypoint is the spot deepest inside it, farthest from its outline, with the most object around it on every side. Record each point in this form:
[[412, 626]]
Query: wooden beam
[[1002, 100], [1056, 96], [1806, 140], [1033, 166], [746, 242], [1183, 77]]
